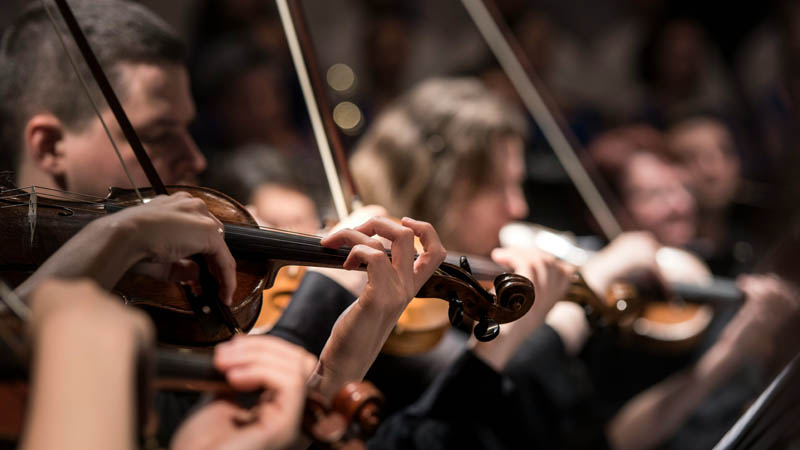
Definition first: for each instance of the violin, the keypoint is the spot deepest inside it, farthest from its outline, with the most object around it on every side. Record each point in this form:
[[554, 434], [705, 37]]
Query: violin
[[352, 415], [34, 226], [645, 311], [275, 299]]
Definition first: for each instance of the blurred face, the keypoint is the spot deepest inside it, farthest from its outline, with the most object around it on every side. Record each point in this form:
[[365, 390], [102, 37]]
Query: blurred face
[[159, 106], [681, 54], [483, 212], [284, 208], [708, 162], [253, 106], [658, 201]]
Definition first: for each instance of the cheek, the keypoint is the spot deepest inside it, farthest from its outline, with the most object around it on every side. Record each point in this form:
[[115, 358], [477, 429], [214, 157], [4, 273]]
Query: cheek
[[483, 218], [647, 214]]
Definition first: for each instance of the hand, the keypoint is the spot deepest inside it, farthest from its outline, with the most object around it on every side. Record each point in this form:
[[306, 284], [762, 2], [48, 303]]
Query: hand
[[550, 278], [395, 282], [628, 254], [353, 281], [362, 329], [769, 317], [251, 363], [168, 229], [85, 364], [154, 237]]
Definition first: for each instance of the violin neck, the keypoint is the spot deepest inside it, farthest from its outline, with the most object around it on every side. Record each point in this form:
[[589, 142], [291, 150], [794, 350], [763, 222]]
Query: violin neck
[[282, 247]]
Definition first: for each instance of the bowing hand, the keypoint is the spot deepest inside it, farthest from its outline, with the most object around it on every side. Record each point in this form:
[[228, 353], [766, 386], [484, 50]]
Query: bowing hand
[[169, 229]]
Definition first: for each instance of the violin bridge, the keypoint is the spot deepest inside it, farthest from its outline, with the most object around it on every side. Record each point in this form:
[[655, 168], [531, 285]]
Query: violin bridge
[[32, 203]]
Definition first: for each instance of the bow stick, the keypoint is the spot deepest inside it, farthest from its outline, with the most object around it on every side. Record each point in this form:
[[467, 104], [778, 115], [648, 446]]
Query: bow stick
[[209, 299]]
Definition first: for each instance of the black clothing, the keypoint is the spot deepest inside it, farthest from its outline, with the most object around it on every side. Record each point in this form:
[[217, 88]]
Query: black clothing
[[472, 406], [309, 318]]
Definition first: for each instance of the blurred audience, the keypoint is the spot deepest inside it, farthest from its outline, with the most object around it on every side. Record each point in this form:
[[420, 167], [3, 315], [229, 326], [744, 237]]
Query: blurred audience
[[681, 72], [708, 161], [260, 178]]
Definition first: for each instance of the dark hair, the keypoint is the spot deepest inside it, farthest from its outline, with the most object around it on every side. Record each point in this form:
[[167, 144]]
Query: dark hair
[[240, 172], [36, 75]]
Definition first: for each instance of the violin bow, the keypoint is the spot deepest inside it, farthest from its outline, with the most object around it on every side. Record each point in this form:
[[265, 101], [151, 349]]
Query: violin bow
[[509, 54], [772, 418], [319, 109], [209, 299], [17, 309]]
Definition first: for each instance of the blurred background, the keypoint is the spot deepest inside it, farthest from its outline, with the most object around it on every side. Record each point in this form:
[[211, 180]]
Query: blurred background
[[625, 74]]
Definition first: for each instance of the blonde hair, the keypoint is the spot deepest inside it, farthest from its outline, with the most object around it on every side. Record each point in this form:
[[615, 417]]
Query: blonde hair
[[436, 139]]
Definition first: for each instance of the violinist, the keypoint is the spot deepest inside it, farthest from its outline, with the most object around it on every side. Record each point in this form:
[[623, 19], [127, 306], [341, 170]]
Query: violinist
[[708, 160], [756, 338], [649, 185], [452, 152]]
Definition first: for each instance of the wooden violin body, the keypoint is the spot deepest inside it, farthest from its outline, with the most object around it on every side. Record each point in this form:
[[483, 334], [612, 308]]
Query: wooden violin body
[[39, 226], [643, 320]]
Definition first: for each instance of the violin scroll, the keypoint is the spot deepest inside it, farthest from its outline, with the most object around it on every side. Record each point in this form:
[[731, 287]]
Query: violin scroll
[[353, 415], [361, 405], [515, 296], [513, 291]]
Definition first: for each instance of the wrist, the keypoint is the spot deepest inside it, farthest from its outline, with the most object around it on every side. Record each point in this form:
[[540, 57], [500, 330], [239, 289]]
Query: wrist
[[383, 313], [596, 277], [570, 323], [720, 361], [124, 236]]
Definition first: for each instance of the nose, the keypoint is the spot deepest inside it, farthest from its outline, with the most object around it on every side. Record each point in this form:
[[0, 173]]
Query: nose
[[680, 200], [516, 205], [191, 162]]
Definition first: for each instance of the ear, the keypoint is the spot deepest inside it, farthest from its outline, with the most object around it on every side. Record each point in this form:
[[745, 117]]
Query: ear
[[43, 132]]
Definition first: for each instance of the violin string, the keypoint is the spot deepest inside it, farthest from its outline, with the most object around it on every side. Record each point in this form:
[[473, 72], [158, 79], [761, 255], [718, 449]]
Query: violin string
[[91, 99], [23, 201], [58, 193], [247, 229]]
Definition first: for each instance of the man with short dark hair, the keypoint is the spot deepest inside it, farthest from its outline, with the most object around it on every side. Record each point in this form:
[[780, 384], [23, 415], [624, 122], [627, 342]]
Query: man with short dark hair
[[49, 130]]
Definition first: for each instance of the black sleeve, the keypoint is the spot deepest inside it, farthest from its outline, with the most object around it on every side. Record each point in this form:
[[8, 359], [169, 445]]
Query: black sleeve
[[457, 411], [547, 377], [315, 306], [472, 406], [468, 406]]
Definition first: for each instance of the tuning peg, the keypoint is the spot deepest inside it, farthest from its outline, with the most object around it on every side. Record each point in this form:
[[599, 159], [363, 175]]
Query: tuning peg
[[486, 330], [456, 312], [464, 263]]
